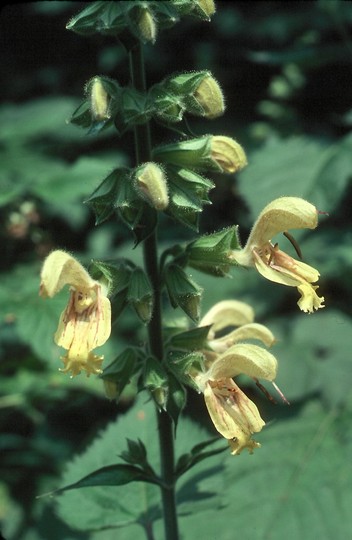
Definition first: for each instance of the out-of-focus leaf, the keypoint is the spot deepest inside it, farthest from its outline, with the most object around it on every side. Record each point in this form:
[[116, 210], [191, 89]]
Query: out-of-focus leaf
[[37, 118], [311, 495], [306, 56], [316, 351], [72, 182], [35, 319], [302, 167], [331, 251], [136, 502]]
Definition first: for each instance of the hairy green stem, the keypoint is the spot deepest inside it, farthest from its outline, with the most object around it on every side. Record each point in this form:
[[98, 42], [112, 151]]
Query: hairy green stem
[[151, 261]]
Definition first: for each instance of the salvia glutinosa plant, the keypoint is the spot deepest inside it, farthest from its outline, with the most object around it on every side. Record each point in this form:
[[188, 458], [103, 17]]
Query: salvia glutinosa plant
[[173, 180]]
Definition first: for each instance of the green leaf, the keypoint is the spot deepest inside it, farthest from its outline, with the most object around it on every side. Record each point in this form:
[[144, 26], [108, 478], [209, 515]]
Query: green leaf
[[316, 355], [37, 118], [289, 163], [113, 475], [35, 319], [310, 497], [136, 453], [333, 175], [196, 455], [136, 502], [309, 168]]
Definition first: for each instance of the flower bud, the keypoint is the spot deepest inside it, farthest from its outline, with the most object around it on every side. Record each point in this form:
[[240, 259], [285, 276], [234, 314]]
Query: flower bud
[[99, 100], [207, 7], [147, 26], [208, 153], [111, 389], [160, 396], [228, 154], [209, 95], [151, 184]]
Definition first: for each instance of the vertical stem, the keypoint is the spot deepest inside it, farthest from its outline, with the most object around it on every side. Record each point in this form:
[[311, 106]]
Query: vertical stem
[[151, 262]]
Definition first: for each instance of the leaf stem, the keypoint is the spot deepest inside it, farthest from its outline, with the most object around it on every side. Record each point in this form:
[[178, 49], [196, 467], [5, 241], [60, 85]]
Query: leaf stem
[[150, 251]]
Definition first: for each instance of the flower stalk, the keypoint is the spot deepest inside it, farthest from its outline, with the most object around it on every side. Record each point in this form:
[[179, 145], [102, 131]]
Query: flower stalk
[[142, 141]]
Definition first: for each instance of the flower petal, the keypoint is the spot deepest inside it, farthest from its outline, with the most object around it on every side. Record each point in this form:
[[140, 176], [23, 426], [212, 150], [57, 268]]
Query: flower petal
[[227, 313], [245, 332], [244, 358], [282, 214], [276, 274], [233, 414], [309, 300], [90, 363], [85, 330], [60, 269]]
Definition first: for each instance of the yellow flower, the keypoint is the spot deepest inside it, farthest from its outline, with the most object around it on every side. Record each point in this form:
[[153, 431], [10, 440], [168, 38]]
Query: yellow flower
[[272, 263], [86, 322], [233, 414]]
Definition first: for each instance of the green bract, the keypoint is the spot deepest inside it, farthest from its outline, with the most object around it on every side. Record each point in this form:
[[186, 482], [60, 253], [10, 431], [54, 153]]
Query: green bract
[[211, 253], [140, 294], [183, 291], [192, 154], [117, 375]]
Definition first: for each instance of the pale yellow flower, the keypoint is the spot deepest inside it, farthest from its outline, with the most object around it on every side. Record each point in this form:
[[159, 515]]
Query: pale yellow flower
[[233, 414], [272, 263], [86, 322]]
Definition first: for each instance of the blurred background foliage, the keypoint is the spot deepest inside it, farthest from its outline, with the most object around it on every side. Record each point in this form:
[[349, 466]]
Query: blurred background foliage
[[286, 71]]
